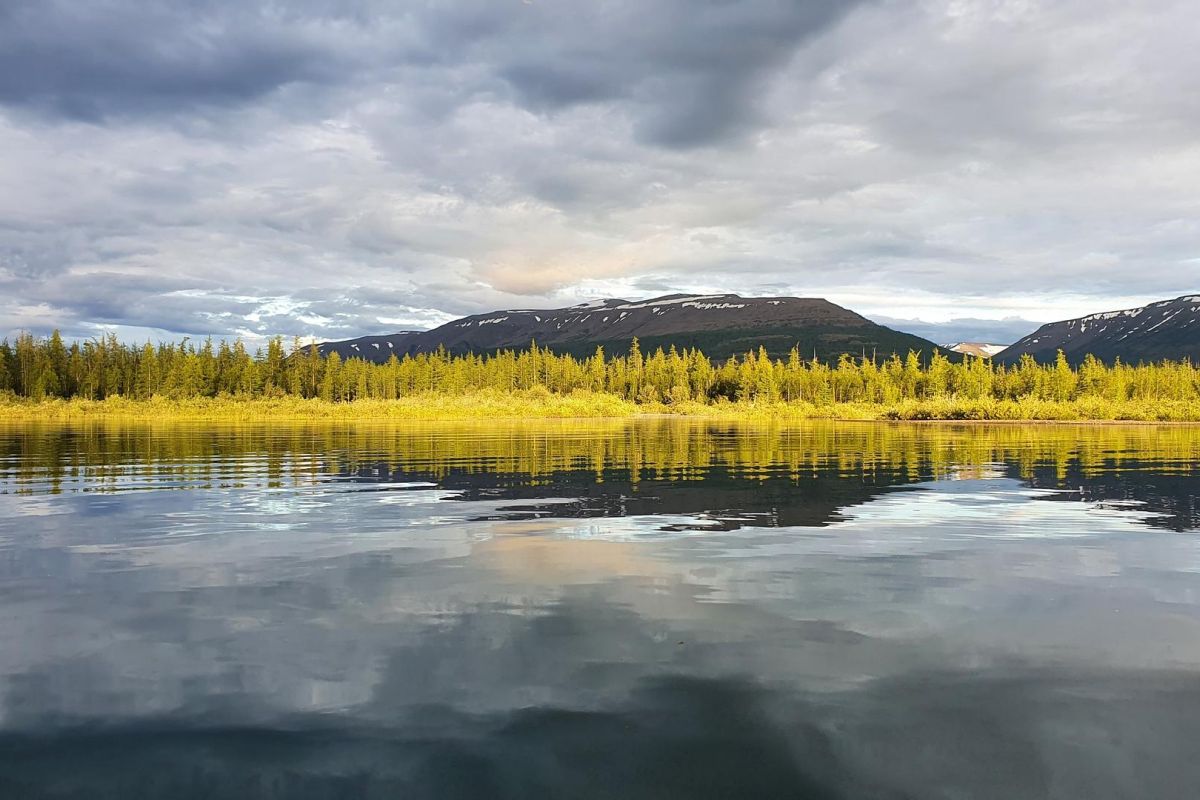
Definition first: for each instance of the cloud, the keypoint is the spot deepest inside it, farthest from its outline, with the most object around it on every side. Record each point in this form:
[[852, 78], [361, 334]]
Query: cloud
[[358, 163], [689, 73], [96, 59]]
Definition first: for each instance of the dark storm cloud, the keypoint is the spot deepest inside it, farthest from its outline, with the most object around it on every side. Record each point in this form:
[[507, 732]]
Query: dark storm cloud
[[92, 59], [691, 73]]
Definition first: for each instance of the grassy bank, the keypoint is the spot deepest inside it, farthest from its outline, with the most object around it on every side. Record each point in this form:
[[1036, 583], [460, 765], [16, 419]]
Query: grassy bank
[[534, 404]]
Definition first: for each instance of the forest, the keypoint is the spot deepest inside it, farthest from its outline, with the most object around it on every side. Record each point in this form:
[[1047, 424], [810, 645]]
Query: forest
[[40, 369]]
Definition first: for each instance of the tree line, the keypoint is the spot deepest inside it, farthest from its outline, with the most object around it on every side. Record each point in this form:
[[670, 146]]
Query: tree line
[[42, 368]]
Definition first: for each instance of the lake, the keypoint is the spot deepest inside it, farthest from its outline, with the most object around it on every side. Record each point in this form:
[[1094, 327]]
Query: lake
[[649, 609]]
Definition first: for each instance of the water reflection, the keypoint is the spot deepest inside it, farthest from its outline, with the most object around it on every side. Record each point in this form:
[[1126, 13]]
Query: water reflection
[[767, 474], [660, 609]]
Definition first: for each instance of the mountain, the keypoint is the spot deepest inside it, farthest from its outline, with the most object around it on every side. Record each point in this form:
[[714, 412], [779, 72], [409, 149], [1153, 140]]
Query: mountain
[[720, 325], [981, 349], [1167, 329]]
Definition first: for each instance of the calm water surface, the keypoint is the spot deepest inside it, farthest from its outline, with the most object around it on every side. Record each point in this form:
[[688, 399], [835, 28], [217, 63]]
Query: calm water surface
[[659, 609]]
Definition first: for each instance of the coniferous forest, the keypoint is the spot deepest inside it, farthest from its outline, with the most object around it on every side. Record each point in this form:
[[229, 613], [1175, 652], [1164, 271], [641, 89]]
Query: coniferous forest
[[37, 369]]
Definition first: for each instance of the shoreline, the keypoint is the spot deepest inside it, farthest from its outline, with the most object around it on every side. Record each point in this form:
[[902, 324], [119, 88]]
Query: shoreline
[[529, 407]]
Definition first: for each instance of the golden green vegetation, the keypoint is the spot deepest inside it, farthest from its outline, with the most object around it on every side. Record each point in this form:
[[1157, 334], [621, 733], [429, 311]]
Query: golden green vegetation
[[48, 379]]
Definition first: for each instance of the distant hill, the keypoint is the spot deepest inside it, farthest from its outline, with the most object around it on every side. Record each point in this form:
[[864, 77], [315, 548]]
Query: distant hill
[[720, 325], [975, 348], [1167, 329]]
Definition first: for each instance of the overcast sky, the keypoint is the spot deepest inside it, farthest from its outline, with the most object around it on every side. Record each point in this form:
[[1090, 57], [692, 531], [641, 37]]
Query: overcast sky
[[341, 167]]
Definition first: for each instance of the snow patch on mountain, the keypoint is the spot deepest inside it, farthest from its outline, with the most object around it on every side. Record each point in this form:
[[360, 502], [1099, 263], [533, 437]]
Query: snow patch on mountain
[[684, 300], [709, 306]]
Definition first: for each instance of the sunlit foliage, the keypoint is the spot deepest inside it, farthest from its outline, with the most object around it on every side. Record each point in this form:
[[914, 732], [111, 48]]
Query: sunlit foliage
[[540, 382]]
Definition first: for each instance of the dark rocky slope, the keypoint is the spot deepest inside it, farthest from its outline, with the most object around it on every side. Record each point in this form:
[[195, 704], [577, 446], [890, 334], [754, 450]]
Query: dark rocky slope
[[720, 325], [1167, 329]]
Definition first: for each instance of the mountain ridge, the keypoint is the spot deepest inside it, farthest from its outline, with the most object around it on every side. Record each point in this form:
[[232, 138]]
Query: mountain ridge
[[1166, 329], [721, 325]]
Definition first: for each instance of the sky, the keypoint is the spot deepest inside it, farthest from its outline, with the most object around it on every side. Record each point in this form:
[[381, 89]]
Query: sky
[[962, 169]]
